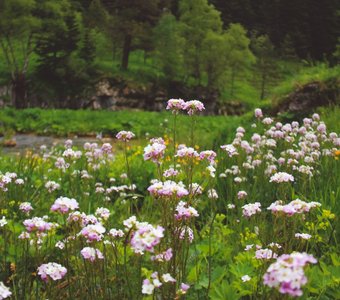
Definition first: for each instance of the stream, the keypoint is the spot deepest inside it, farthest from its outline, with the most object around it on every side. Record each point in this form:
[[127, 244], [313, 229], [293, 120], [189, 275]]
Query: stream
[[33, 142]]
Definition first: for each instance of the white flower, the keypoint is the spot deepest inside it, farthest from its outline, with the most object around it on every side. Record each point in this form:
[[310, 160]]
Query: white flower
[[168, 278], [4, 291], [245, 278], [3, 221]]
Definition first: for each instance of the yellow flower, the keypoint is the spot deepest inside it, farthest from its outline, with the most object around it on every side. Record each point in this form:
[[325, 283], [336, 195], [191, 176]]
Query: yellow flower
[[337, 154]]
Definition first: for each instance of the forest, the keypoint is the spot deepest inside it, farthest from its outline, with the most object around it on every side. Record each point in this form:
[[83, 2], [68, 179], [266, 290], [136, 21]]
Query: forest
[[53, 53]]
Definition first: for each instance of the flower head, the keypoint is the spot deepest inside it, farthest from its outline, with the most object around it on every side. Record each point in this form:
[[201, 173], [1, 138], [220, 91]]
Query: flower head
[[125, 135], [4, 291], [51, 270], [91, 254], [175, 105], [64, 205], [193, 106]]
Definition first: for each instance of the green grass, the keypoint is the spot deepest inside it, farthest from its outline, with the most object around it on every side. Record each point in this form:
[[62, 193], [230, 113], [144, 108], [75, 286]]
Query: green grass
[[320, 72], [85, 122]]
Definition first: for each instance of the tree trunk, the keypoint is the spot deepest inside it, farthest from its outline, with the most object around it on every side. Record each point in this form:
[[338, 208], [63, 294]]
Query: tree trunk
[[263, 85], [126, 51], [19, 99], [232, 82]]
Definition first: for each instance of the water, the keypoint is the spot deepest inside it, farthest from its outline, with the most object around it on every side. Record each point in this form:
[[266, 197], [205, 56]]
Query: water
[[33, 142]]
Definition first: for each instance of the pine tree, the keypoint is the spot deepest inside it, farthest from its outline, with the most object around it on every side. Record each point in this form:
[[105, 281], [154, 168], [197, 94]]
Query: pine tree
[[198, 18], [169, 46]]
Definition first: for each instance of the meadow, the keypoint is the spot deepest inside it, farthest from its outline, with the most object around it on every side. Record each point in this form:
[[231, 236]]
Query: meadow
[[249, 212]]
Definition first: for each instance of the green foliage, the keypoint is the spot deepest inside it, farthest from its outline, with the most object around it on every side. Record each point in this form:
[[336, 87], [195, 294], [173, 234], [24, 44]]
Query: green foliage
[[198, 18], [215, 58], [319, 72], [169, 45], [66, 54], [84, 122], [239, 54], [265, 63]]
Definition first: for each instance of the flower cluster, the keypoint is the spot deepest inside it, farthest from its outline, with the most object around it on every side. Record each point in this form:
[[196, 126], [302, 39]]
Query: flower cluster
[[25, 207], [64, 205], [192, 106], [52, 186], [287, 274], [155, 151], [38, 224], [186, 152], [164, 256], [93, 232], [251, 209], [281, 177], [168, 189], [185, 212], [51, 270], [175, 105], [125, 135], [91, 254], [155, 281], [265, 254], [145, 237], [296, 206]]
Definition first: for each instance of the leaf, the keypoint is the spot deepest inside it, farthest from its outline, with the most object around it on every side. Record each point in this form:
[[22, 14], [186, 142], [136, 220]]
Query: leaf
[[223, 291]]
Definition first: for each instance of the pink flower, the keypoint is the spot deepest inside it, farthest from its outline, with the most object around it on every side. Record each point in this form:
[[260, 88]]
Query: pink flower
[[38, 224], [51, 270], [106, 148], [155, 152], [265, 254], [186, 152], [64, 205], [91, 254], [287, 274], [281, 177], [230, 149], [93, 232], [168, 189], [241, 195], [251, 209], [184, 288], [175, 105], [164, 256], [209, 155], [186, 233], [185, 212], [170, 173], [125, 135], [103, 213], [193, 106], [116, 233], [258, 113], [52, 186], [147, 287], [25, 207], [146, 237]]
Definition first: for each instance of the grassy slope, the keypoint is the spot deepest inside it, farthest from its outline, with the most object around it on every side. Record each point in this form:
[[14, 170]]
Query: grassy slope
[[83, 122]]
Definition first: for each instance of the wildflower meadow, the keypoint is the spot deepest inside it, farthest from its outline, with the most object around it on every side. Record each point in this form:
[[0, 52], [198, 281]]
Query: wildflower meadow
[[254, 218]]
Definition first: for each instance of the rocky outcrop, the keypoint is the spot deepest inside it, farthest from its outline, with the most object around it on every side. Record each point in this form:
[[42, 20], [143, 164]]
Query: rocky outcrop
[[117, 95], [309, 96]]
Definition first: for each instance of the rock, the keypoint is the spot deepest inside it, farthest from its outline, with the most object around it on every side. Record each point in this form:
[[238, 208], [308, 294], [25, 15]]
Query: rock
[[310, 96], [231, 108], [9, 143]]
